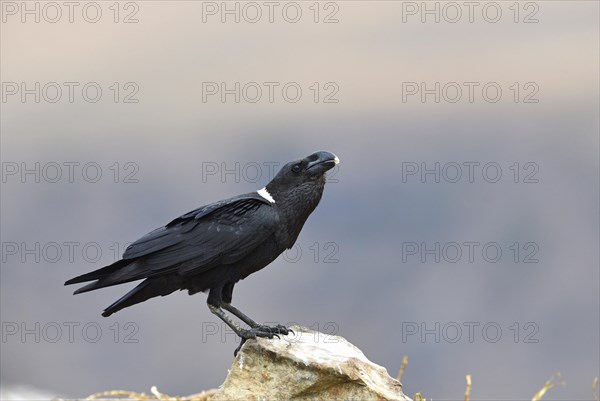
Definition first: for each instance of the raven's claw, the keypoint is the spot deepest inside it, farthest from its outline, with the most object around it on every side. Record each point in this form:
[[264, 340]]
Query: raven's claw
[[279, 329], [243, 340], [258, 331]]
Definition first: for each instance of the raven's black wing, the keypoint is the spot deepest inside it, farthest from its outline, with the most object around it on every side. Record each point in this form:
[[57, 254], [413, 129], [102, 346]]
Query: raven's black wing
[[220, 233]]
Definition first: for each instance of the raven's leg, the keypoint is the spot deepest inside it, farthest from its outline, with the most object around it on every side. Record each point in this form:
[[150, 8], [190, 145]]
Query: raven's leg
[[213, 305], [235, 311], [227, 295]]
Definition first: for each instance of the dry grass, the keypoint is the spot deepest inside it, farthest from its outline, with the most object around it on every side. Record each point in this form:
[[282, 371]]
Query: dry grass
[[402, 368], [554, 380], [468, 390], [418, 397], [156, 395]]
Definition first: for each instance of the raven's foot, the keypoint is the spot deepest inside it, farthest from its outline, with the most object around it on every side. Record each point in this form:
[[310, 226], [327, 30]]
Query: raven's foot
[[258, 331]]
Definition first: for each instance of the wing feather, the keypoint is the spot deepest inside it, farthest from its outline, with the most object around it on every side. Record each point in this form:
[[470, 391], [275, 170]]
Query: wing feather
[[220, 233]]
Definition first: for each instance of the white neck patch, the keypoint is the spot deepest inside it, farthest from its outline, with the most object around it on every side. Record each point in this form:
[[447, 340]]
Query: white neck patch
[[265, 194]]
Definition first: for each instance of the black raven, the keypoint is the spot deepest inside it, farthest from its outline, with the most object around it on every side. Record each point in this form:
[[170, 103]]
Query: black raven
[[213, 247]]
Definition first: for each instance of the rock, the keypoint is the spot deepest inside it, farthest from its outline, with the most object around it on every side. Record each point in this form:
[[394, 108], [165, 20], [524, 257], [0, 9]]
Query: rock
[[307, 365]]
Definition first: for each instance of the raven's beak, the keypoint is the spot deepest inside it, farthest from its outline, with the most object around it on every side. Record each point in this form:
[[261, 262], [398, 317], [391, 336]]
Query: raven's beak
[[320, 162]]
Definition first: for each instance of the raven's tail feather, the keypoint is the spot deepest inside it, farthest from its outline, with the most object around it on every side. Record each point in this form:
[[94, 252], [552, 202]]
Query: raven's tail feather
[[149, 288], [102, 283], [120, 272], [100, 273]]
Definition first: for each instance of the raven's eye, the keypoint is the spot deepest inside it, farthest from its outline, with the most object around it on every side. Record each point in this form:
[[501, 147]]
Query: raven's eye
[[296, 168]]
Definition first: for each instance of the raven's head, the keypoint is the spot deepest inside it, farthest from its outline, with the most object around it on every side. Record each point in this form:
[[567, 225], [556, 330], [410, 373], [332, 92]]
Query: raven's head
[[304, 178]]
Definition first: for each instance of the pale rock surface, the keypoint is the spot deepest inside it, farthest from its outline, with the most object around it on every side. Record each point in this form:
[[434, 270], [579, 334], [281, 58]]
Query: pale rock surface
[[307, 365]]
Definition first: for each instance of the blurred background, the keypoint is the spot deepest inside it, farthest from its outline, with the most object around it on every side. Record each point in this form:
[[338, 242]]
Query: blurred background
[[461, 228]]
